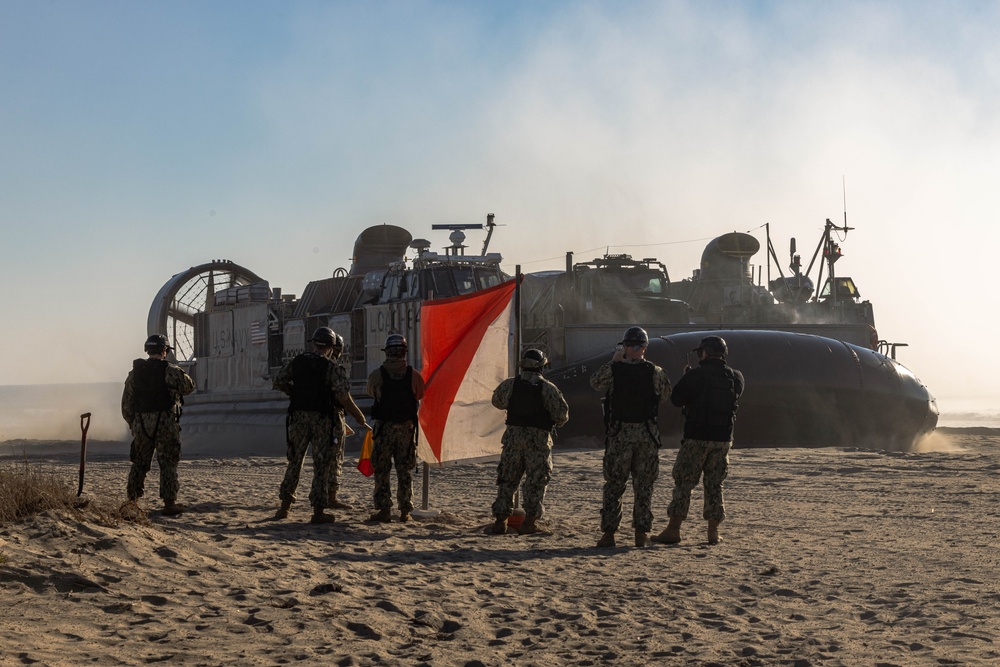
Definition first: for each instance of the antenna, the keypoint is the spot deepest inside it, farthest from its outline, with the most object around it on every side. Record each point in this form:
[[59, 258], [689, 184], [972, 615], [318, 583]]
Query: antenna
[[457, 227], [462, 226], [490, 224], [844, 186]]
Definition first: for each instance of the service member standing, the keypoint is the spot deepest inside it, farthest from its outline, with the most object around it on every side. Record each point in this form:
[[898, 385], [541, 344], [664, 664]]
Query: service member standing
[[319, 392], [397, 389], [708, 394], [534, 408], [342, 400], [634, 389], [151, 403]]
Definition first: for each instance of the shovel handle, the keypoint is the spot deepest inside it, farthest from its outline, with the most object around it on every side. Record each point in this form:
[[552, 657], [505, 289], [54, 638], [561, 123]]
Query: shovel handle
[[84, 426]]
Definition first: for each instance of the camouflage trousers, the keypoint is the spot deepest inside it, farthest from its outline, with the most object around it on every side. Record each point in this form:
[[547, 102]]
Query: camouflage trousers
[[631, 451], [697, 459], [393, 443], [159, 432], [308, 430], [527, 453], [335, 461]]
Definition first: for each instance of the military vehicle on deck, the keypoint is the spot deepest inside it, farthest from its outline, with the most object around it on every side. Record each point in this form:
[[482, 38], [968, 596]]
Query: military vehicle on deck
[[813, 360], [576, 313]]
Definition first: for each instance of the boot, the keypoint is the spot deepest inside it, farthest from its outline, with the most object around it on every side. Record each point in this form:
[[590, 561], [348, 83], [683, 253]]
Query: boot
[[672, 533], [713, 531], [499, 527], [282, 512], [337, 504], [171, 508], [528, 526], [641, 538], [607, 539], [382, 516], [319, 516], [404, 516]]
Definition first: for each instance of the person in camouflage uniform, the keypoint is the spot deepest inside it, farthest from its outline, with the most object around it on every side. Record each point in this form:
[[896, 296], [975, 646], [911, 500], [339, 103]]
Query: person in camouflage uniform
[[535, 407], [319, 392], [397, 389], [708, 394], [634, 389], [151, 401], [340, 432]]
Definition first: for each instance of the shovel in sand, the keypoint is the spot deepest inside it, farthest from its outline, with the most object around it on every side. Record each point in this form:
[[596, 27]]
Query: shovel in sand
[[84, 425]]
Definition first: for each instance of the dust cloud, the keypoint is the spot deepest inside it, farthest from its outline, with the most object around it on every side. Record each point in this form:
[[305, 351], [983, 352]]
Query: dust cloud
[[53, 412], [937, 441]]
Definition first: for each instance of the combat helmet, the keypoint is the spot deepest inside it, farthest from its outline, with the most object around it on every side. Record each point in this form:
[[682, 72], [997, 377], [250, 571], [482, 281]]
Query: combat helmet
[[533, 359], [156, 344], [327, 337], [714, 346], [395, 346], [635, 336]]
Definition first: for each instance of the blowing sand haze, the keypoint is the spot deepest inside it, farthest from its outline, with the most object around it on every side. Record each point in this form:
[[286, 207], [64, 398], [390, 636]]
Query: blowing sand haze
[[829, 557]]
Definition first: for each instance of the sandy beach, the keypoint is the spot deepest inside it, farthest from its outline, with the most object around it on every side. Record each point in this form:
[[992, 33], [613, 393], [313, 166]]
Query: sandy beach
[[835, 556]]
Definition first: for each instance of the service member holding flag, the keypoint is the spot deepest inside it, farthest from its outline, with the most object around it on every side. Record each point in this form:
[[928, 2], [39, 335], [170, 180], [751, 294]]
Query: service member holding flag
[[319, 393], [397, 389], [535, 407]]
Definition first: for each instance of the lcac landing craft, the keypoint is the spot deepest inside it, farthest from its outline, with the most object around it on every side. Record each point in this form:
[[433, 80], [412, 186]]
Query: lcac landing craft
[[802, 391], [232, 331], [838, 385]]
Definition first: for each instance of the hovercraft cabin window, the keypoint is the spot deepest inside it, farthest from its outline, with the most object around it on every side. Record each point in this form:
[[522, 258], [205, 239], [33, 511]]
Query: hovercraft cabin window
[[437, 282], [487, 277], [465, 280], [400, 287]]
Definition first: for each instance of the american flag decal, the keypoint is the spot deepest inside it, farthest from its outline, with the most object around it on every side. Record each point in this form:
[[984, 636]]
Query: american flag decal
[[258, 333]]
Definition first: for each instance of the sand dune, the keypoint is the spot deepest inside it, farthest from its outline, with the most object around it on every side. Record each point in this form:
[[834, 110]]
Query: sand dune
[[830, 557]]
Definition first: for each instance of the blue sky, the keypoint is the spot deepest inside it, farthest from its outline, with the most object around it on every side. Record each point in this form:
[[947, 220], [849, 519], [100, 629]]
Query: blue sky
[[138, 139]]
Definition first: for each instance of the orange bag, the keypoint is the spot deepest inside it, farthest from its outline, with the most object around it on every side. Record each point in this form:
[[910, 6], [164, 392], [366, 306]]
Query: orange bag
[[365, 460]]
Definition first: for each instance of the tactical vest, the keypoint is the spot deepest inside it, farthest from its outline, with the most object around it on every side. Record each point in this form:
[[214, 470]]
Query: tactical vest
[[150, 392], [634, 400], [310, 391], [526, 407], [714, 408], [397, 403]]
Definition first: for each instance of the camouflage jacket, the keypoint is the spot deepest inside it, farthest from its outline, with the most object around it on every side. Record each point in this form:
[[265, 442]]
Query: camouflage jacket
[[336, 379], [603, 379], [552, 398], [178, 382]]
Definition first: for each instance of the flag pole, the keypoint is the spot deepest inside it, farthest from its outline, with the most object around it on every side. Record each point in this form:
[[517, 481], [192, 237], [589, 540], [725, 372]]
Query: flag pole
[[425, 510], [517, 315], [517, 357]]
